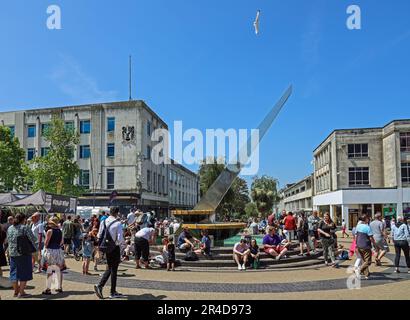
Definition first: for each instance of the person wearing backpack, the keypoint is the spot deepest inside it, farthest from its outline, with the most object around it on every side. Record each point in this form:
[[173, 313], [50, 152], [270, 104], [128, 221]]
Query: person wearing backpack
[[303, 233], [110, 238], [22, 244]]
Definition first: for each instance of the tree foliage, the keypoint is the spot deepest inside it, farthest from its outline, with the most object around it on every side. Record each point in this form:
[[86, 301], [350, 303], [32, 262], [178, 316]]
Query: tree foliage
[[237, 196], [12, 162], [264, 193], [55, 172], [251, 210]]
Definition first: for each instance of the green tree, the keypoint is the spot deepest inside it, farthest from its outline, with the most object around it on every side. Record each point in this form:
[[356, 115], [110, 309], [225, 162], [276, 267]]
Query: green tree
[[237, 196], [12, 162], [251, 210], [55, 172], [264, 193]]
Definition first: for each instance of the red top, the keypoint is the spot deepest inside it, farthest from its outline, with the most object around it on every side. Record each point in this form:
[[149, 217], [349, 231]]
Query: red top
[[271, 219], [290, 223]]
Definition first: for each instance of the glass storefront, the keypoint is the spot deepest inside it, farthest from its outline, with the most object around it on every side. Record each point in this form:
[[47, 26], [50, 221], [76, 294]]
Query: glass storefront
[[406, 210]]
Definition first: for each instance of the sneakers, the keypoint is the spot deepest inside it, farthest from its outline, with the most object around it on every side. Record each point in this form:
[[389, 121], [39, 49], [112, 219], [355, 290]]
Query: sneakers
[[243, 267], [98, 291], [116, 295], [239, 267], [397, 270]]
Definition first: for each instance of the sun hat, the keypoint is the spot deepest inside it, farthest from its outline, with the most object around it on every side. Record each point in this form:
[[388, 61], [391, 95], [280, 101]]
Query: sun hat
[[53, 221]]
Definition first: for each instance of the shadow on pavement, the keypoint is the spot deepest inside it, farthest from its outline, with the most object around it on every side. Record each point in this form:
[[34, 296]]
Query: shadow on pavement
[[146, 296], [63, 295]]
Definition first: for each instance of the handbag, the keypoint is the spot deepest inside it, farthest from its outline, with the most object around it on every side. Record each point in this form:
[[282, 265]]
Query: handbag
[[24, 245]]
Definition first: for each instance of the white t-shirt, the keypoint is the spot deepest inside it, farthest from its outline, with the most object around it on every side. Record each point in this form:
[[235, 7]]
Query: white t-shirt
[[145, 233], [131, 218], [38, 229]]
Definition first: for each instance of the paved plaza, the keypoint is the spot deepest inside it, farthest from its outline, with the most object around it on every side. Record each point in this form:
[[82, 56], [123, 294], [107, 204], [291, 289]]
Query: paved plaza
[[318, 282]]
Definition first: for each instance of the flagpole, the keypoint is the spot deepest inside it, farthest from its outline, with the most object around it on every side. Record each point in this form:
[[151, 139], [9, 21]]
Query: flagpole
[[130, 77]]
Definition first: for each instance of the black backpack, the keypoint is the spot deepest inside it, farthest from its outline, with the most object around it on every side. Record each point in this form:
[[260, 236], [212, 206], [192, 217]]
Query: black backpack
[[107, 243], [191, 256]]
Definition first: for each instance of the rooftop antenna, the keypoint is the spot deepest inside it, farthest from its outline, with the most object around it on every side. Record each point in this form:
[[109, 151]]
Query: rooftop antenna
[[130, 77]]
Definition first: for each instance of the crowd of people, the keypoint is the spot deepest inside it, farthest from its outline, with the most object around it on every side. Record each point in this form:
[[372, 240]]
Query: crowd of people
[[43, 243], [371, 238]]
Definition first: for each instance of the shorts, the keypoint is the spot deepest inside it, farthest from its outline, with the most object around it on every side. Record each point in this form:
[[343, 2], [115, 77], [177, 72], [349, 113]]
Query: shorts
[[67, 240], [141, 246], [382, 245], [21, 268], [278, 249], [313, 233], [302, 236]]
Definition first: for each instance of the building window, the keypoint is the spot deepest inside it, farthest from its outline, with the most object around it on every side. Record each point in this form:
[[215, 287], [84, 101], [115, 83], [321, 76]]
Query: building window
[[149, 180], [31, 154], [405, 173], [85, 152], [85, 126], [31, 131], [148, 128], [163, 185], [45, 151], [148, 155], [405, 142], [110, 179], [85, 179], [110, 124], [358, 150], [358, 177], [110, 150], [44, 128], [154, 181], [69, 125], [12, 131], [159, 184]]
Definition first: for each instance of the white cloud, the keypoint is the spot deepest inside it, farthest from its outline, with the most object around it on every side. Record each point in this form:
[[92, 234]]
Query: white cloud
[[75, 83]]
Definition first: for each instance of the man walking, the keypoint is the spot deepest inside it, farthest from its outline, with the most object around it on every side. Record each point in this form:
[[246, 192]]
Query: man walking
[[38, 230], [112, 235], [68, 233], [379, 235], [364, 239]]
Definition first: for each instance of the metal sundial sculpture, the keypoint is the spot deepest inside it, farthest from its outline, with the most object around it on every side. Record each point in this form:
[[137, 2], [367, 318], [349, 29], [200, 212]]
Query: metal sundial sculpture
[[213, 197]]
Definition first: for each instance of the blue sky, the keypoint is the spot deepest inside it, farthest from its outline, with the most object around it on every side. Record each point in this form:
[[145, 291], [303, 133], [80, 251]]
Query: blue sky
[[201, 62]]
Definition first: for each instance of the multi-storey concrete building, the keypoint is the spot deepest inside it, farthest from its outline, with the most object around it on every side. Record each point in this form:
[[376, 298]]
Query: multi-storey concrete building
[[114, 152], [363, 171], [298, 196], [183, 187]]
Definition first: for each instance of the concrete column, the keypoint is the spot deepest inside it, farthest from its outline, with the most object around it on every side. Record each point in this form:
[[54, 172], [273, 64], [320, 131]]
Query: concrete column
[[400, 202], [345, 216], [332, 212]]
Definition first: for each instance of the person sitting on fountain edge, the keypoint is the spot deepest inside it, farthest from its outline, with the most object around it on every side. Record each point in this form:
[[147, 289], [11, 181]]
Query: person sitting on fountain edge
[[274, 245], [185, 240]]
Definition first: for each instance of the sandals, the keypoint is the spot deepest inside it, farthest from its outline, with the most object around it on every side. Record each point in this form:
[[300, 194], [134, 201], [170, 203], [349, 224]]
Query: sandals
[[47, 292], [59, 290]]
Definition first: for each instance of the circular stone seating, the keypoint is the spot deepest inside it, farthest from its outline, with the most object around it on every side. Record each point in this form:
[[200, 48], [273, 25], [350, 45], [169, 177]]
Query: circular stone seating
[[222, 258]]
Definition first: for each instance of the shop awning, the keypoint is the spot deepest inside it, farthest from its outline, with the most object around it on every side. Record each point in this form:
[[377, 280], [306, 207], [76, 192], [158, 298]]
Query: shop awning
[[50, 202], [7, 198]]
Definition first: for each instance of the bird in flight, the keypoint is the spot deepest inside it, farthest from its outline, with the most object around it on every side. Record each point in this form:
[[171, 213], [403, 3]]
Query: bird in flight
[[256, 23]]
